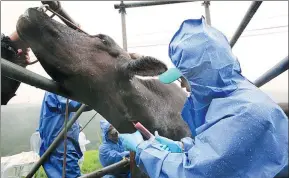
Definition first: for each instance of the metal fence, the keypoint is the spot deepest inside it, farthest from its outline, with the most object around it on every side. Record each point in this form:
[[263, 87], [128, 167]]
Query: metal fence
[[21, 74]]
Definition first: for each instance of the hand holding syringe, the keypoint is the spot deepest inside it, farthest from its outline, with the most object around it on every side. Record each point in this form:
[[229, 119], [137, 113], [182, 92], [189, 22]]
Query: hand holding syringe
[[170, 145], [144, 131]]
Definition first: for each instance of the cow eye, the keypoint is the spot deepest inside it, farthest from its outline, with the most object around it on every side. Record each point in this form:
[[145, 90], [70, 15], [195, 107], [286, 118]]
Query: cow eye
[[102, 38], [104, 41]]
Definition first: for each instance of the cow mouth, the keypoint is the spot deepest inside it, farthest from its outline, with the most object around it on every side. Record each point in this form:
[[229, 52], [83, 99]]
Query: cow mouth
[[31, 23], [52, 43]]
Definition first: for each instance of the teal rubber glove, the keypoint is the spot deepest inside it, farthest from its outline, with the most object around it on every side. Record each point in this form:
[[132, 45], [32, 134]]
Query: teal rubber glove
[[131, 141], [174, 147]]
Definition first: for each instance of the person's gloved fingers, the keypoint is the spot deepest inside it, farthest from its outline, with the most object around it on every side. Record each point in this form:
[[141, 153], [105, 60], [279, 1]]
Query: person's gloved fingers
[[175, 148], [129, 145], [124, 154], [122, 136], [125, 136], [137, 133], [165, 147], [162, 140], [131, 141], [156, 133], [138, 136], [158, 137]]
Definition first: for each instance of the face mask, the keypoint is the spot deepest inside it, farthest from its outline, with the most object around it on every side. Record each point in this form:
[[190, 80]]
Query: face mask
[[113, 135], [184, 84]]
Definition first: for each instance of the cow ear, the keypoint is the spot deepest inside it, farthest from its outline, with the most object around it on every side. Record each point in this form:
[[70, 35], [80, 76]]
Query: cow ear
[[145, 66], [135, 56]]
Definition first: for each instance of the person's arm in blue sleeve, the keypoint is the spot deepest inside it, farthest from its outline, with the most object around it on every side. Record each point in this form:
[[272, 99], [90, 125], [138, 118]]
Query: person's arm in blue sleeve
[[111, 156], [219, 151], [124, 154], [188, 143], [115, 156]]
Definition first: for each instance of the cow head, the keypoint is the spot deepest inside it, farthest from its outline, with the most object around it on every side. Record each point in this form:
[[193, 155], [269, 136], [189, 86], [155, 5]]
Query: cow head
[[93, 69]]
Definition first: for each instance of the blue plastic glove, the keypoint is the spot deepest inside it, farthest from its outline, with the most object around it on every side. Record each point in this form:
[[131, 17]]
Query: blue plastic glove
[[174, 147], [165, 147], [131, 141]]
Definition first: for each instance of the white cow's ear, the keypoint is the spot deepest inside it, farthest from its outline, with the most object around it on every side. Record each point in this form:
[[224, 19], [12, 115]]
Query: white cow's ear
[[144, 66]]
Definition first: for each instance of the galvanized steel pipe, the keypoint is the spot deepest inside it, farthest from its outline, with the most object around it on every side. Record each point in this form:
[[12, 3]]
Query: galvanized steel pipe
[[278, 69], [247, 18], [149, 3], [123, 26], [207, 12], [56, 6], [107, 170], [16, 72]]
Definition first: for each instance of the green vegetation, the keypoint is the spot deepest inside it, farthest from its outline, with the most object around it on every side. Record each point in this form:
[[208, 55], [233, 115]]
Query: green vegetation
[[91, 163]]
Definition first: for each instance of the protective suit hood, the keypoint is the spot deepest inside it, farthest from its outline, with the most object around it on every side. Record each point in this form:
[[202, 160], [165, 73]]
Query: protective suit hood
[[204, 57], [104, 125]]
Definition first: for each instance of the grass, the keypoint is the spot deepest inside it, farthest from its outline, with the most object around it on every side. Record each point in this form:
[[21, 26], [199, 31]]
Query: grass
[[91, 163]]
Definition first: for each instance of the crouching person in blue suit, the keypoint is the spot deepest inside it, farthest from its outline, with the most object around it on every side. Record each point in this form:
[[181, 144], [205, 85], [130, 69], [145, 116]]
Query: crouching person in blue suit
[[111, 150]]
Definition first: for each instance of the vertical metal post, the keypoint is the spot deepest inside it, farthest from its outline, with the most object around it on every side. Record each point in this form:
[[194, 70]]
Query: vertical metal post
[[65, 139], [123, 25], [207, 11], [132, 164]]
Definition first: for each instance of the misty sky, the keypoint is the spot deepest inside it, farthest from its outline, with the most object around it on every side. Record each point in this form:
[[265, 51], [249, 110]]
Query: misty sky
[[149, 30]]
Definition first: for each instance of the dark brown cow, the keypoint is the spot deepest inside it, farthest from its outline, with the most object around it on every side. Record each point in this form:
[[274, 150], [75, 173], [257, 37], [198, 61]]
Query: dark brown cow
[[97, 72]]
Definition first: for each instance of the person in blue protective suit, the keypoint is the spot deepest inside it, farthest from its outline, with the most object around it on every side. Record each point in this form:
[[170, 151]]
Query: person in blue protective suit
[[238, 130], [51, 123], [111, 150]]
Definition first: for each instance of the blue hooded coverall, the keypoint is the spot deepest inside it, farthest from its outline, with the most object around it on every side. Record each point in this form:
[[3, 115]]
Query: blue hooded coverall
[[51, 123], [239, 131], [110, 152]]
